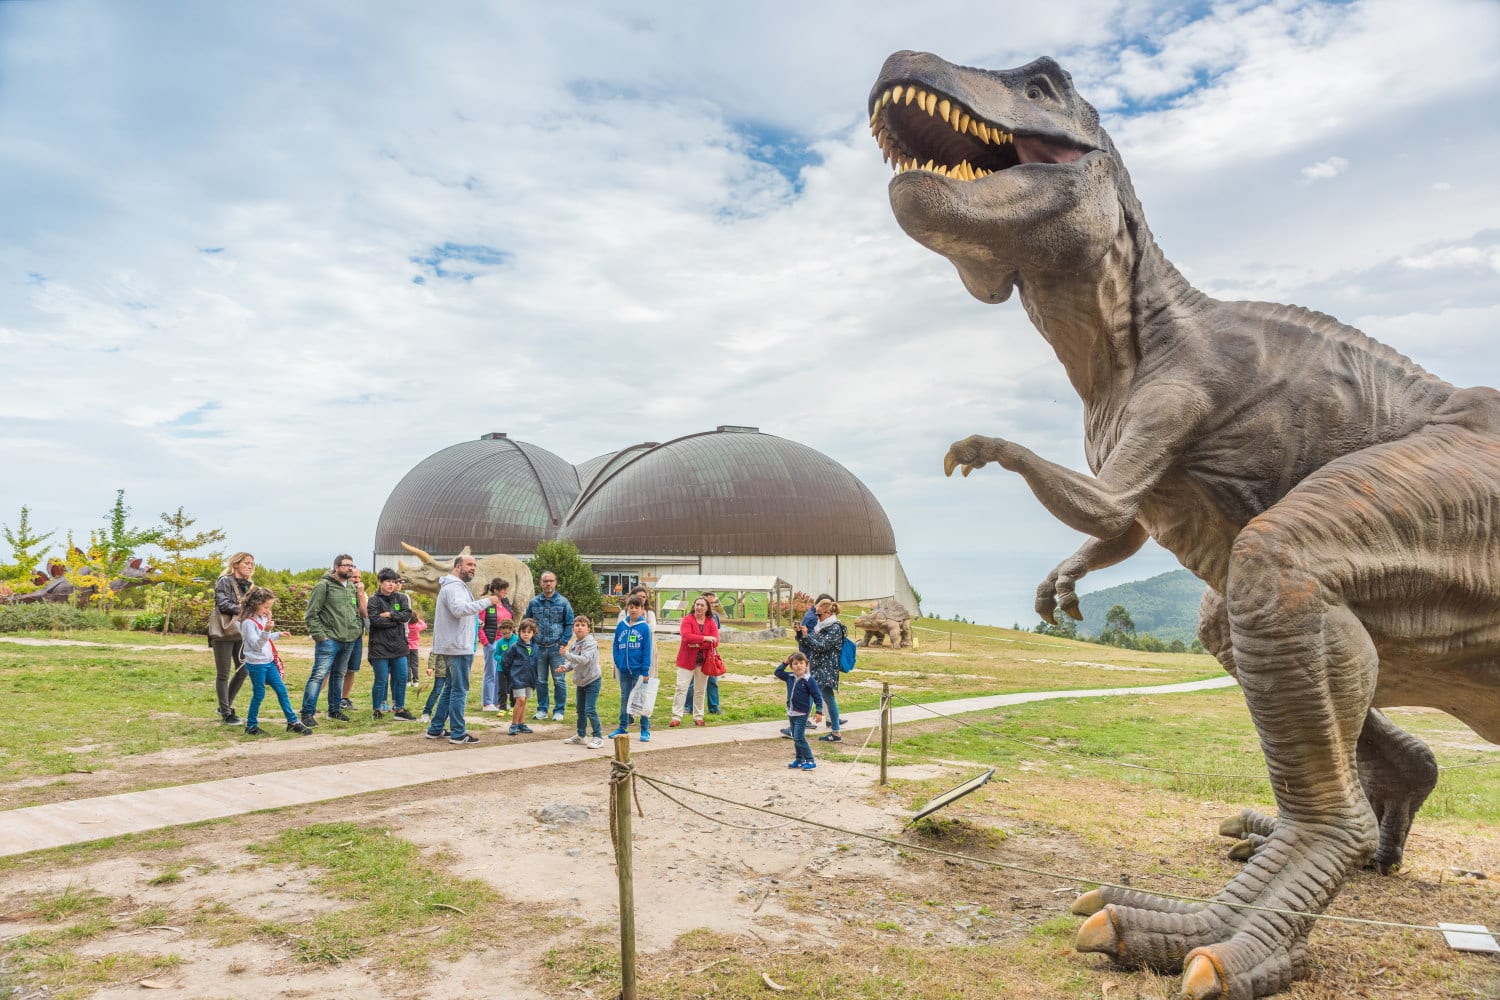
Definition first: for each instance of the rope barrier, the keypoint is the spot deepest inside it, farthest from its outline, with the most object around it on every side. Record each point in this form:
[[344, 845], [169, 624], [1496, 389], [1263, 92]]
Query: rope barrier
[[658, 783]]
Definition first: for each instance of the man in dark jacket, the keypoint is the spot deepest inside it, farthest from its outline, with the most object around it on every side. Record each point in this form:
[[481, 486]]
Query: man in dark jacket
[[390, 613], [554, 621], [333, 622]]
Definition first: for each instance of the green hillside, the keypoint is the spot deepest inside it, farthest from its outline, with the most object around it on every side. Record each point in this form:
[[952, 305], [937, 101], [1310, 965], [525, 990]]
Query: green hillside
[[1165, 606]]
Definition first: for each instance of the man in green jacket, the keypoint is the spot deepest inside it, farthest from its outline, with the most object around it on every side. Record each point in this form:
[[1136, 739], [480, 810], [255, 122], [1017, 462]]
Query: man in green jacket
[[333, 622]]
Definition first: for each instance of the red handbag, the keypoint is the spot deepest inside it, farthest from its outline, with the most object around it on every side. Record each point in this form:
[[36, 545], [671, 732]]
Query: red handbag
[[713, 664]]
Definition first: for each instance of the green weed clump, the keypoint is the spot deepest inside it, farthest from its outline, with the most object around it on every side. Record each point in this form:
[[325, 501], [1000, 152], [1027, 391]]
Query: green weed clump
[[45, 616]]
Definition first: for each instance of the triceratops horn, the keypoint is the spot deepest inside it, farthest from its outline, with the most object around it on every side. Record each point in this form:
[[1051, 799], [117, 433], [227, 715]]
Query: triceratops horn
[[418, 553], [466, 552]]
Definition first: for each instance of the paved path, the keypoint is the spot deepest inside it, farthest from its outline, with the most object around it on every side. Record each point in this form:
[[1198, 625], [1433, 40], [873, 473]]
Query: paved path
[[60, 823]]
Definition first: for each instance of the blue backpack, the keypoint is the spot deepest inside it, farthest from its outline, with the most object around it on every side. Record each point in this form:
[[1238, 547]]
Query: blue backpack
[[847, 655]]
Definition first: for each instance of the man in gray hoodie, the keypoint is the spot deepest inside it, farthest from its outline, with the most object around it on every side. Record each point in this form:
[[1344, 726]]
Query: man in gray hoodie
[[453, 630]]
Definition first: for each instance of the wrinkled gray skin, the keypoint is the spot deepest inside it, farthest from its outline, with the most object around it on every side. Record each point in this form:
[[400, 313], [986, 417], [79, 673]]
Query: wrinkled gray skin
[[881, 629], [1340, 502], [424, 577]]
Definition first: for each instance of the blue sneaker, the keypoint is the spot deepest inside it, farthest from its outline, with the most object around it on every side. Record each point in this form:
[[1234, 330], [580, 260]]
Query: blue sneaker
[[621, 731], [795, 764], [646, 737], [808, 765]]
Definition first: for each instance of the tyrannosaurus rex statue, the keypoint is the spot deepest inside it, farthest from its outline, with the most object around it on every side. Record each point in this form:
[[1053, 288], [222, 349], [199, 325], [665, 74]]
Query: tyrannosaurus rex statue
[[1342, 504]]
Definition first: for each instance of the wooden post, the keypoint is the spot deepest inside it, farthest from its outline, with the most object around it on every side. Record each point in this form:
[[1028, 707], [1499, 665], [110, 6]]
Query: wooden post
[[623, 868], [885, 730], [950, 641]]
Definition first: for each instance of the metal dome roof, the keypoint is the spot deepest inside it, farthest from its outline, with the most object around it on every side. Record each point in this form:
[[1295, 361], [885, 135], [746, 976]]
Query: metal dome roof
[[495, 494], [733, 491]]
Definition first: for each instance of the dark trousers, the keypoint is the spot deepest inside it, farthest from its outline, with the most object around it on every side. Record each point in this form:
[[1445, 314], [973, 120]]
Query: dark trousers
[[799, 736], [229, 672]]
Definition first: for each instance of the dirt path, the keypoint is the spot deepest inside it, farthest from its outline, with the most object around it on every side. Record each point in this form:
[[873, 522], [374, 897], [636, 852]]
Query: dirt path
[[80, 820]]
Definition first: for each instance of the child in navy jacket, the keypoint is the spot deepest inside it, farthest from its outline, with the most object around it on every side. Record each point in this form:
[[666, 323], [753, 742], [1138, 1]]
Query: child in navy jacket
[[521, 663], [801, 695]]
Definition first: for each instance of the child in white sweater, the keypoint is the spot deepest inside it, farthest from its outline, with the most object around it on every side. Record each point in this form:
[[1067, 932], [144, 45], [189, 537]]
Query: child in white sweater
[[260, 660]]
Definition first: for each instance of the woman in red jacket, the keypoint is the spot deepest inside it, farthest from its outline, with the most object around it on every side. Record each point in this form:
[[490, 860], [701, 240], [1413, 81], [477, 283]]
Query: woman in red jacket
[[700, 635]]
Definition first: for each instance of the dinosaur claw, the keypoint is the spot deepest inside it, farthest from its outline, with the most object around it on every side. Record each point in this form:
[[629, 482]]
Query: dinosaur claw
[[968, 469], [1098, 934], [1234, 826], [1201, 980], [1242, 850], [1089, 903], [949, 465]]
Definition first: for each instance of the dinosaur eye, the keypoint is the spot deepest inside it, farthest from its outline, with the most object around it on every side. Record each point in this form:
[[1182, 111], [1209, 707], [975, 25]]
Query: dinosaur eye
[[1034, 93]]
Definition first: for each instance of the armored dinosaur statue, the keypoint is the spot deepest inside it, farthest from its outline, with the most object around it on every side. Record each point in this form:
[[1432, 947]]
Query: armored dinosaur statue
[[1342, 504], [424, 576]]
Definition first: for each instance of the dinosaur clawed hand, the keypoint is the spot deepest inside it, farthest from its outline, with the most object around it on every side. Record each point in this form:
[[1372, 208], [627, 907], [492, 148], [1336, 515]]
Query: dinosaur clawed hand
[[1058, 592], [977, 451]]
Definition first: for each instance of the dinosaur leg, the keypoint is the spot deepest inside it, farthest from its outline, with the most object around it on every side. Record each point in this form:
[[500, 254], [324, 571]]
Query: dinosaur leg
[[1308, 670], [1397, 772]]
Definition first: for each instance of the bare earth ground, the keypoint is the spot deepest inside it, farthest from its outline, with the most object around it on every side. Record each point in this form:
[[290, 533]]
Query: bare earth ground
[[749, 901]]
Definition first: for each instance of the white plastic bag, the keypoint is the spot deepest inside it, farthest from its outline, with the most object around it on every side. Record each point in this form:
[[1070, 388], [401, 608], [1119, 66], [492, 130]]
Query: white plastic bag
[[643, 698]]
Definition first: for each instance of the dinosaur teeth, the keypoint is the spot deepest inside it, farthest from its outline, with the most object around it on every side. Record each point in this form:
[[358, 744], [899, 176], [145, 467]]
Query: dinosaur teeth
[[943, 108], [896, 94], [962, 124]]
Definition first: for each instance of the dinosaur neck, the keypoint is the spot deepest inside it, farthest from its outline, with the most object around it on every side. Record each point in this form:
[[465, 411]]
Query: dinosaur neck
[[1092, 317]]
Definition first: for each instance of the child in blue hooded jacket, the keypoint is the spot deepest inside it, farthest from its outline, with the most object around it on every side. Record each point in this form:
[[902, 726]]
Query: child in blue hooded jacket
[[522, 664], [632, 652], [801, 695]]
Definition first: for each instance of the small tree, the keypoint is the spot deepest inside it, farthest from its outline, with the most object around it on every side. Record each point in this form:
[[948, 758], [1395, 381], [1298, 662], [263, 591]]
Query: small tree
[[1117, 619], [85, 570], [182, 568], [575, 578], [1066, 628], [26, 552], [119, 540]]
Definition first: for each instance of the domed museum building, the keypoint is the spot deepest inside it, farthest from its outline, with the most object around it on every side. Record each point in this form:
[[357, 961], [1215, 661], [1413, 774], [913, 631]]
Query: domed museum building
[[731, 501]]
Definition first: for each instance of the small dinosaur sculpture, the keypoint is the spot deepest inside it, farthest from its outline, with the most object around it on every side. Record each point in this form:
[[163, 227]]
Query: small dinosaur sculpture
[[1342, 504]]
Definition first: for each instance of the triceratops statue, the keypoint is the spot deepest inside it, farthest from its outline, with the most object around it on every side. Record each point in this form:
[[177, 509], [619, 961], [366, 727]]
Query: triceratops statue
[[423, 577]]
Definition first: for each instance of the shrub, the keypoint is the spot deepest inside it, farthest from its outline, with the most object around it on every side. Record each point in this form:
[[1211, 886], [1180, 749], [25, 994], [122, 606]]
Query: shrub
[[46, 616], [151, 621], [801, 601], [190, 617]]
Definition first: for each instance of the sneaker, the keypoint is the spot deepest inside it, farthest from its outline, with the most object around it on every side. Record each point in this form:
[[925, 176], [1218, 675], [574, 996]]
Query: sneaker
[[488, 708], [786, 733], [346, 703], [713, 711], [557, 716], [426, 716], [385, 706], [436, 736], [541, 713], [467, 739], [831, 738], [252, 730], [809, 765], [379, 716], [645, 737], [404, 715], [524, 728], [309, 721], [574, 740], [340, 716], [674, 723], [229, 719], [622, 731], [298, 728], [794, 765], [514, 730], [596, 743]]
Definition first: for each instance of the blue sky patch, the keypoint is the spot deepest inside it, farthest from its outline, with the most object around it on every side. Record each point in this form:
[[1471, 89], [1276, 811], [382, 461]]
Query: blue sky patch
[[781, 149], [462, 261], [190, 424], [210, 250]]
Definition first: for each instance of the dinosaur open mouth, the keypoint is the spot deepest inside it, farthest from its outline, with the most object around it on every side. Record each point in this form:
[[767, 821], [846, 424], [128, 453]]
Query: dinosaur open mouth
[[921, 129]]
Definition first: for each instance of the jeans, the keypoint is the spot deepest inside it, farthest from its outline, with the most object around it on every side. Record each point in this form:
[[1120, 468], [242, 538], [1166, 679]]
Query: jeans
[[439, 685], [588, 706], [489, 688], [549, 658], [390, 676], [229, 667], [799, 736], [450, 707], [330, 660], [260, 675], [627, 685], [831, 708], [713, 694]]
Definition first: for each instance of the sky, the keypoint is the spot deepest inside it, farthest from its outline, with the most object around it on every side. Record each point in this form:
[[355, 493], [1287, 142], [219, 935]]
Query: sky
[[261, 259]]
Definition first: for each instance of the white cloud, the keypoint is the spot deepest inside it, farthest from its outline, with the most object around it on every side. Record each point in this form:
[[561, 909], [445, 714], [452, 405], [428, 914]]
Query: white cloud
[[228, 214], [1324, 170]]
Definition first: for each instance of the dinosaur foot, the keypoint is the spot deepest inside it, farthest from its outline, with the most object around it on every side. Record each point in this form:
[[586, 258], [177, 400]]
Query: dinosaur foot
[[1220, 956], [1250, 829]]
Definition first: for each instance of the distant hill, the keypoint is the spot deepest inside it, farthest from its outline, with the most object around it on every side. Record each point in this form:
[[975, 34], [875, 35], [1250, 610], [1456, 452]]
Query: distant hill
[[1165, 605]]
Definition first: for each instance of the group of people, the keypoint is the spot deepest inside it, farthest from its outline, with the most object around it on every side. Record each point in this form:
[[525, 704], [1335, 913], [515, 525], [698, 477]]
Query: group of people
[[522, 660]]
